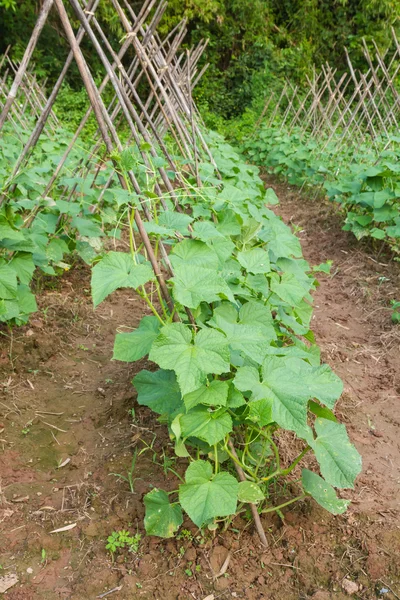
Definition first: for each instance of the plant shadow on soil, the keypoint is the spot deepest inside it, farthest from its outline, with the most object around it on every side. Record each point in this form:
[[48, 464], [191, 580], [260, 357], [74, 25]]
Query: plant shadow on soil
[[63, 398]]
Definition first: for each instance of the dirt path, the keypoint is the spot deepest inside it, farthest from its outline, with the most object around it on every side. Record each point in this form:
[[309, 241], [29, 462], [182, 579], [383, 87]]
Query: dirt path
[[66, 426]]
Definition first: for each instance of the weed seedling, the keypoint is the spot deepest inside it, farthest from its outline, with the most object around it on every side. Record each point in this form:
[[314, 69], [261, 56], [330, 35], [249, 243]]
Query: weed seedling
[[119, 540]]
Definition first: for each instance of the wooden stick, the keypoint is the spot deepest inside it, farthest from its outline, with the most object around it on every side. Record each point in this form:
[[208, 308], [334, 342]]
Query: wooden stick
[[102, 119], [47, 4], [253, 507]]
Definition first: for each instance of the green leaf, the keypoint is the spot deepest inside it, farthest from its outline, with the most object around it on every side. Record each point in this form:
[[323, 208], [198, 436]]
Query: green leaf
[[158, 390], [193, 286], [129, 347], [162, 518], [205, 496], [23, 266], [260, 412], [56, 250], [339, 461], [207, 425], [8, 282], [271, 197], [7, 232], [195, 253], [117, 270], [214, 394], [290, 288], [252, 339], [321, 411], [235, 398], [323, 493], [191, 359], [249, 492], [175, 221], [255, 261], [281, 386], [87, 227], [321, 382]]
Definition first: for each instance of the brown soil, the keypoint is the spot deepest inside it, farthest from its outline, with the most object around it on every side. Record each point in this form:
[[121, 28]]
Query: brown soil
[[63, 398]]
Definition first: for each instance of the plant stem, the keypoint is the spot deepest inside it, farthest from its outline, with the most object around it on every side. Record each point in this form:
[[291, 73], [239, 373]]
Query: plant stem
[[216, 458], [237, 462], [296, 461], [253, 507], [273, 508]]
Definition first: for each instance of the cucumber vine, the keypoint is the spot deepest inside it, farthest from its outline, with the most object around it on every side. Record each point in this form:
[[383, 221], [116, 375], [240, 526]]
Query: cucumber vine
[[245, 366]]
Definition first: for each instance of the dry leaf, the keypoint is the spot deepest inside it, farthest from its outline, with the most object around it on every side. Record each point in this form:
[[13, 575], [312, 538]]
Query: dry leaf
[[66, 528], [7, 582]]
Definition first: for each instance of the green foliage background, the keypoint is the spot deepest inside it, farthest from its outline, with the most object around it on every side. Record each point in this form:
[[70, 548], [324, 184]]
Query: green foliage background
[[253, 43]]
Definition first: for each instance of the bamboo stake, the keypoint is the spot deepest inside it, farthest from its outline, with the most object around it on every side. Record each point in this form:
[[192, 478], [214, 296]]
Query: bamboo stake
[[100, 112], [47, 4]]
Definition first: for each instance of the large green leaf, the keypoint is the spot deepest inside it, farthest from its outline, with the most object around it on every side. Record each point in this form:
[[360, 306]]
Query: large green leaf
[[338, 459], [132, 346], [175, 221], [324, 384], [255, 260], [158, 390], [87, 227], [249, 337], [117, 270], [191, 359], [205, 496], [280, 240], [195, 253], [290, 288], [23, 266], [323, 493], [207, 425], [8, 282], [162, 518], [213, 394], [195, 285], [280, 385]]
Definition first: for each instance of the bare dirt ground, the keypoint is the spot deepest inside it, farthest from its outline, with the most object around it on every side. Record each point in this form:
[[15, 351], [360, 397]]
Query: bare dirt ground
[[66, 426]]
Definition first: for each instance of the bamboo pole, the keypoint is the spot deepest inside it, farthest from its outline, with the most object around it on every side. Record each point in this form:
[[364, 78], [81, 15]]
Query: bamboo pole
[[47, 4]]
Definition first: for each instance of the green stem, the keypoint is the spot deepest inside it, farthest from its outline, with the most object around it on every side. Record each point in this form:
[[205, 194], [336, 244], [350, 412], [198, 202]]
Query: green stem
[[296, 461], [145, 297], [237, 462], [273, 508], [216, 458]]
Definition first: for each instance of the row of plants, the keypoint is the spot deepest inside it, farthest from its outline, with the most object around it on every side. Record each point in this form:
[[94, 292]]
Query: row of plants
[[366, 188], [236, 365], [41, 234]]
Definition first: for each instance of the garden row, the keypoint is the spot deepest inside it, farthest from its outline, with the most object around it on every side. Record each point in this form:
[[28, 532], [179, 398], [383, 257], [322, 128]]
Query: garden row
[[367, 188], [238, 363]]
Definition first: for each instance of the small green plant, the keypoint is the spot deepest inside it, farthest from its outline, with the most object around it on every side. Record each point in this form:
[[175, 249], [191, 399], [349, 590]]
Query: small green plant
[[396, 311], [129, 478], [119, 540], [44, 556]]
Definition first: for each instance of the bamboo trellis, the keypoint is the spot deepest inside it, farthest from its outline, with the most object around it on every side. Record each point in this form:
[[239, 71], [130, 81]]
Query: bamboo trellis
[[351, 108], [152, 82], [31, 100]]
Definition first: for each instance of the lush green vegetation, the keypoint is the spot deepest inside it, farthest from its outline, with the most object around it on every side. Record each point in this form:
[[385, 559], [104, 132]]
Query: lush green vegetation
[[253, 43], [40, 233], [238, 362], [367, 189]]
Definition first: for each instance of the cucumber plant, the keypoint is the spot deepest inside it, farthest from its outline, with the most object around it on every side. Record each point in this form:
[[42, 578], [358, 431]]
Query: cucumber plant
[[244, 366], [366, 188], [42, 232]]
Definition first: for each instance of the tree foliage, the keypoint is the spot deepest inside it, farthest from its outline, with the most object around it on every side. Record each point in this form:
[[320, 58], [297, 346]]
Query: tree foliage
[[252, 42]]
